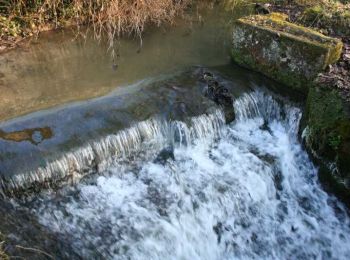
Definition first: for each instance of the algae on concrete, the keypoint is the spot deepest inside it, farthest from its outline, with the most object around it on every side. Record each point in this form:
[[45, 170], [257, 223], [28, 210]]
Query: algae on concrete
[[286, 52], [327, 135]]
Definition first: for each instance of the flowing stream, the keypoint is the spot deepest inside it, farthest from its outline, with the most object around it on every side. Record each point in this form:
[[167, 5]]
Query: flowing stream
[[241, 191], [151, 170]]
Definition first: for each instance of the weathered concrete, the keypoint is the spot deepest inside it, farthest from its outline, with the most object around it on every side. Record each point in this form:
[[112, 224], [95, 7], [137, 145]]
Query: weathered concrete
[[327, 136], [286, 52], [34, 148]]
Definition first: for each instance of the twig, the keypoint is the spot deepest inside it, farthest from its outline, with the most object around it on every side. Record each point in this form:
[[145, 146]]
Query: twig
[[35, 250]]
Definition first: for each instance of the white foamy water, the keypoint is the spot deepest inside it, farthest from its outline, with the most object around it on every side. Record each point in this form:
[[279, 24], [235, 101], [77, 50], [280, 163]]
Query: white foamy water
[[243, 191]]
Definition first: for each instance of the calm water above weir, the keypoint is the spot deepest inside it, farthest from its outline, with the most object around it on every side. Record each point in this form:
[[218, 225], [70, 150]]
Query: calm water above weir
[[151, 170], [58, 69]]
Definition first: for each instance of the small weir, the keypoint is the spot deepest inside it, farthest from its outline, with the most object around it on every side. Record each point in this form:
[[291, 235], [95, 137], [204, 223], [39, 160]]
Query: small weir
[[96, 156], [142, 160], [237, 191]]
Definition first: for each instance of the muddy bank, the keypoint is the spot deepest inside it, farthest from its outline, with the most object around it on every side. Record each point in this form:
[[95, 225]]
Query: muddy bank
[[21, 19]]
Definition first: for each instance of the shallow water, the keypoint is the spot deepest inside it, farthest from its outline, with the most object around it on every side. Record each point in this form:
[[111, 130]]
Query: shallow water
[[241, 191], [58, 68]]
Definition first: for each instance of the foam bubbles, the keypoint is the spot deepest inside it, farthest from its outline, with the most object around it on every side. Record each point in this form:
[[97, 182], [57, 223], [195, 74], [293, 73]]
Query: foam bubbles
[[249, 193]]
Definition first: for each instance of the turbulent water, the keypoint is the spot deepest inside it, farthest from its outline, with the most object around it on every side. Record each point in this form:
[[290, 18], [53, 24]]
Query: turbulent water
[[240, 191]]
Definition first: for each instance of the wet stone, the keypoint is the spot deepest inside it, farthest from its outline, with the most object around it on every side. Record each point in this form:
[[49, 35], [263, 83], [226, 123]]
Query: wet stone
[[165, 155], [220, 95], [291, 54]]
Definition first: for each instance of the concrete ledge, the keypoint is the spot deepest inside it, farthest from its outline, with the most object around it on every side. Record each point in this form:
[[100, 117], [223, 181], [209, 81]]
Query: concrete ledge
[[286, 52]]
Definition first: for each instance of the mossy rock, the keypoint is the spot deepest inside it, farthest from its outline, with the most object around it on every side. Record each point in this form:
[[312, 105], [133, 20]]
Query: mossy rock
[[327, 134], [286, 52]]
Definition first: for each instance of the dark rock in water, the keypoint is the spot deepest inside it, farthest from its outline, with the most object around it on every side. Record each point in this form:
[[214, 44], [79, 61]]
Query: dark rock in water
[[265, 127], [294, 229], [230, 115], [208, 76], [165, 155], [220, 95], [218, 229], [261, 9], [115, 66]]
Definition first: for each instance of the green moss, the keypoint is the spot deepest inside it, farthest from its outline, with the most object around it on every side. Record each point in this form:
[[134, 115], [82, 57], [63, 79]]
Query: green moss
[[286, 52], [334, 141], [278, 23], [336, 52], [329, 127], [327, 117], [278, 16], [331, 16]]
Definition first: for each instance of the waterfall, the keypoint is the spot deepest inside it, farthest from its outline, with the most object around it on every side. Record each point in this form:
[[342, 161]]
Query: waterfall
[[95, 156], [246, 190], [258, 104]]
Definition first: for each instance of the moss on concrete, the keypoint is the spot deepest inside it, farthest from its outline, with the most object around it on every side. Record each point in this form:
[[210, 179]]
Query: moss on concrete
[[328, 134], [286, 52]]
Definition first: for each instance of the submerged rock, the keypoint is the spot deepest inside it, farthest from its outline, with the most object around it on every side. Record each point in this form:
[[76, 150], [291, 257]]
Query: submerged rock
[[286, 52], [327, 135], [33, 135], [165, 155], [220, 95]]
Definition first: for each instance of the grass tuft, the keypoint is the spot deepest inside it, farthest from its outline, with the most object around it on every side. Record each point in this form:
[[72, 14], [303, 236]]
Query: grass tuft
[[112, 17], [331, 16]]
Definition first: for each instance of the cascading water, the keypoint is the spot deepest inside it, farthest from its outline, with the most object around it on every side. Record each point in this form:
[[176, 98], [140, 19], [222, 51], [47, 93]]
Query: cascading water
[[244, 190], [96, 156]]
